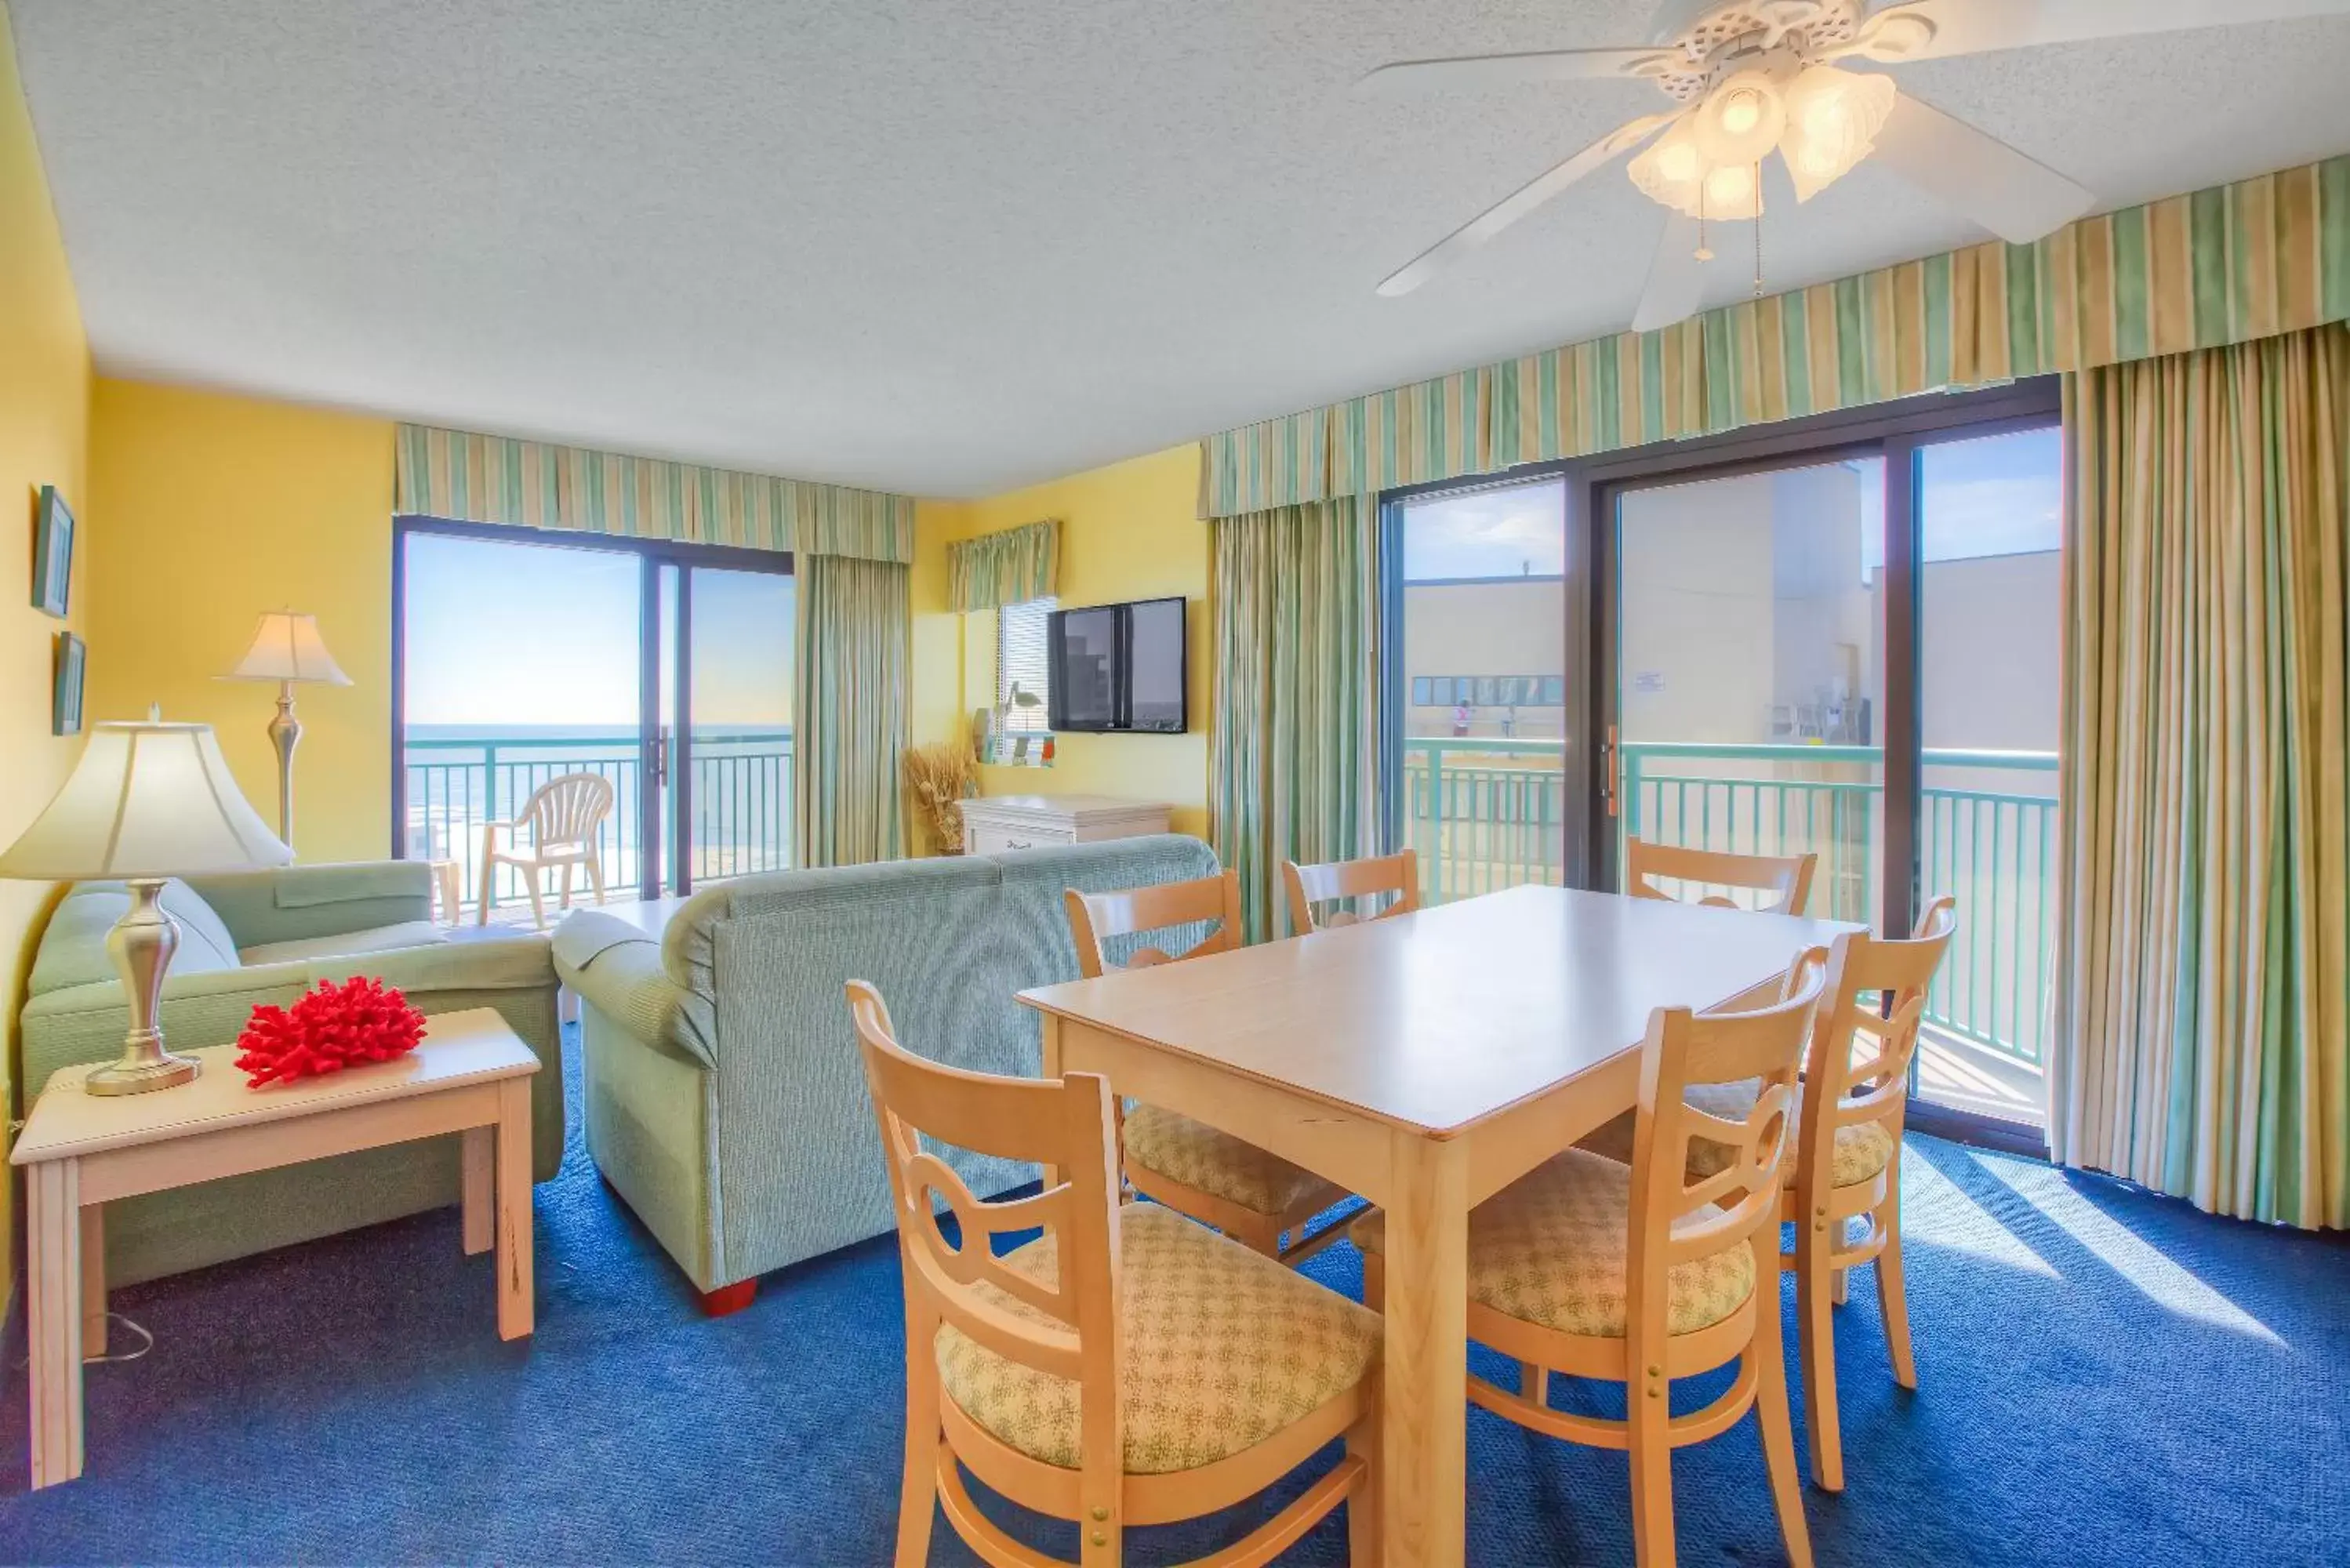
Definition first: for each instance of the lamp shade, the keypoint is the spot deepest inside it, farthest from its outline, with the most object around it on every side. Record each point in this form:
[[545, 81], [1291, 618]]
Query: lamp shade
[[146, 800], [286, 646]]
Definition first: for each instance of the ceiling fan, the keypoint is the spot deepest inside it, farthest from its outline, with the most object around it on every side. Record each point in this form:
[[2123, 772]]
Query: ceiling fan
[[1749, 77]]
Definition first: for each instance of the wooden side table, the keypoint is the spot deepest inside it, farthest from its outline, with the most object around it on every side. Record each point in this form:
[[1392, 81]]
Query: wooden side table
[[470, 1077]]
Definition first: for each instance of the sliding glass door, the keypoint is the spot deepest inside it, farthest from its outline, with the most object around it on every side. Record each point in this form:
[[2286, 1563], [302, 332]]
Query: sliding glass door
[[1835, 636], [1990, 627], [1479, 684], [1848, 649], [1750, 670], [737, 764], [665, 670]]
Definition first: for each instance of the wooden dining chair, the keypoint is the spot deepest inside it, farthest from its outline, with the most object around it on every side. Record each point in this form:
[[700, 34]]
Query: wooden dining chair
[[1784, 880], [1251, 1195], [1635, 1274], [1125, 1369], [1397, 875], [565, 819], [1847, 1163]]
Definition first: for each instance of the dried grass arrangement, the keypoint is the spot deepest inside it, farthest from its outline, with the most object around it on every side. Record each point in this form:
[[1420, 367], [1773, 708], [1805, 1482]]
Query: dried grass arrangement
[[940, 775]]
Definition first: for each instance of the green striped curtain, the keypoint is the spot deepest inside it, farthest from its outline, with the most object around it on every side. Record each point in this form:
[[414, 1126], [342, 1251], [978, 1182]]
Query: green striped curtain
[[2225, 266], [852, 661], [2203, 1010], [475, 478], [1009, 567], [1293, 745]]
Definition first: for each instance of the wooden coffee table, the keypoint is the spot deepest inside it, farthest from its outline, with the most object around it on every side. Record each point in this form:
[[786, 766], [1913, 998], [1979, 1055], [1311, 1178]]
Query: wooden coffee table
[[471, 1077]]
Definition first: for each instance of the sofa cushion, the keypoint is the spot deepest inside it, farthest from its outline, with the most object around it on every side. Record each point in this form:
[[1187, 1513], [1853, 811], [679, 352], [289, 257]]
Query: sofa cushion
[[73, 946], [378, 939]]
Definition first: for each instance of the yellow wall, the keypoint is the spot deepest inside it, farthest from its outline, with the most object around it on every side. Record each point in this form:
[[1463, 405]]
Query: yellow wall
[[43, 440], [1128, 532], [209, 509]]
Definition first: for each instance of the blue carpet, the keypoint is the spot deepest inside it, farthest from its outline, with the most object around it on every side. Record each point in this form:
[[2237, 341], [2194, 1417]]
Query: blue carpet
[[2108, 1378]]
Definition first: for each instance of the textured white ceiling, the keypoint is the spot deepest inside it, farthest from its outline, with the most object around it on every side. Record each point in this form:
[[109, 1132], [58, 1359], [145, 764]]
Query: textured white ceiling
[[944, 246]]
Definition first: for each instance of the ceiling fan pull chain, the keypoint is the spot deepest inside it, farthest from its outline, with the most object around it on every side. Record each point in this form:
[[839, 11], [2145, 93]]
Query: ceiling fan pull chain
[[1704, 251], [1758, 231]]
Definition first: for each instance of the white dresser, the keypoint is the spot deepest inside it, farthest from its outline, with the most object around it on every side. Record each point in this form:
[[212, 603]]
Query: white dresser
[[995, 823]]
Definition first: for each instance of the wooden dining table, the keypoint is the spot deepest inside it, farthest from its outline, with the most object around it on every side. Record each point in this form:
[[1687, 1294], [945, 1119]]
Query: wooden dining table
[[1425, 1062]]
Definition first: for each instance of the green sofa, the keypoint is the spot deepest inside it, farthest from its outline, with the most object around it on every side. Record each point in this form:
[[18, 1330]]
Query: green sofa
[[724, 1097], [267, 937]]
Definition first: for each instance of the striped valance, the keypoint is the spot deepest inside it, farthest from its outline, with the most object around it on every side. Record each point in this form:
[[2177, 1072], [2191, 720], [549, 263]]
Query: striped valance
[[1009, 567], [534, 484], [2225, 265]]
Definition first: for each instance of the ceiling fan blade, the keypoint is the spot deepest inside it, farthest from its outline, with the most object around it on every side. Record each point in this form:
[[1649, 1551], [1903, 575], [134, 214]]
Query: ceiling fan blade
[[1676, 278], [1972, 26], [1975, 173], [1520, 202], [1472, 72]]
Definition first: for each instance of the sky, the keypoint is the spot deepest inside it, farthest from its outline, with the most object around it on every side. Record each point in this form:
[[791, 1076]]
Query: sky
[[1996, 495], [1993, 495], [535, 634], [1518, 531]]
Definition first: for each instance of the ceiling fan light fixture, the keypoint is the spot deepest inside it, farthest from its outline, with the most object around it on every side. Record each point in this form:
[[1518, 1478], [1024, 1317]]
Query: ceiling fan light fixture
[[1740, 120], [1731, 194], [1833, 118], [1672, 171]]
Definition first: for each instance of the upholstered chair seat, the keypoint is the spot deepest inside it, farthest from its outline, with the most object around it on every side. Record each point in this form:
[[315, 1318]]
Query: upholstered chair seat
[[1220, 1348], [1550, 1250], [1197, 1156]]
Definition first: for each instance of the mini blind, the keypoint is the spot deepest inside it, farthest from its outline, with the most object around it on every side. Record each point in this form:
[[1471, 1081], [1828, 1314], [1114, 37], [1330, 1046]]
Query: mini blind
[[1024, 657]]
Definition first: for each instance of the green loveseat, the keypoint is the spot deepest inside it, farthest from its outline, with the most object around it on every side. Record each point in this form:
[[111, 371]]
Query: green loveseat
[[725, 1099], [267, 937]]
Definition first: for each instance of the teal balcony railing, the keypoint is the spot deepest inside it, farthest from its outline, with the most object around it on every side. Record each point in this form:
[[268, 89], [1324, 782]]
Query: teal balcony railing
[[1487, 814], [742, 801]]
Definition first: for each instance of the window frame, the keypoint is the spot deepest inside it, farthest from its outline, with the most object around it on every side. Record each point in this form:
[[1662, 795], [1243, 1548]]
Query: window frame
[[1036, 721]]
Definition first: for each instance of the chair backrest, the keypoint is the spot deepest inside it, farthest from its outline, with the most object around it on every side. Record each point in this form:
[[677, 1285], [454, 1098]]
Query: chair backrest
[[568, 809], [1684, 1048], [1066, 1124], [1875, 997], [1095, 915], [1784, 880], [1398, 874]]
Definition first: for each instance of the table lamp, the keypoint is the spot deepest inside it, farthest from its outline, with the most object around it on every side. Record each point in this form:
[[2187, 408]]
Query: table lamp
[[285, 648], [147, 802]]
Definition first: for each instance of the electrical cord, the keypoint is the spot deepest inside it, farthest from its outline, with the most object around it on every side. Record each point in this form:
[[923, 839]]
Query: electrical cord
[[146, 1343]]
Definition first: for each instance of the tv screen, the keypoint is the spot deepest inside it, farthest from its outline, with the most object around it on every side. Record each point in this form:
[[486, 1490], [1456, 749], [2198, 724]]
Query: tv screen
[[1119, 668]]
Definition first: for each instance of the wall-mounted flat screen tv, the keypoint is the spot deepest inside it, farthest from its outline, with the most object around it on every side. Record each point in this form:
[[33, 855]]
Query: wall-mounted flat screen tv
[[1118, 668]]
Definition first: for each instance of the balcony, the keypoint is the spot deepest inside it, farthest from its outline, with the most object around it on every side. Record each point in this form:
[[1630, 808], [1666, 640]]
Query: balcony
[[1486, 814], [741, 798]]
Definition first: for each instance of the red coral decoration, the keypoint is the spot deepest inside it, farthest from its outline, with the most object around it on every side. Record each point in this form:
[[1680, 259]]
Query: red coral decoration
[[327, 1030]]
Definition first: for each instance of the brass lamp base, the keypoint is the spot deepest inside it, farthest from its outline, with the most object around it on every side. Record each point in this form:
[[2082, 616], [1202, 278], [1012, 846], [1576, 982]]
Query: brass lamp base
[[141, 944], [165, 1072]]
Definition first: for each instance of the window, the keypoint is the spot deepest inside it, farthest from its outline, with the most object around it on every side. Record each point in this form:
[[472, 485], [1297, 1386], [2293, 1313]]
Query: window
[[1022, 663], [1420, 690]]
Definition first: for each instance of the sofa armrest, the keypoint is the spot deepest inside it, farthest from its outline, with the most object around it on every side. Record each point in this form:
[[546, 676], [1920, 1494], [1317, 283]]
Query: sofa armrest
[[625, 981], [293, 903], [87, 1022]]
